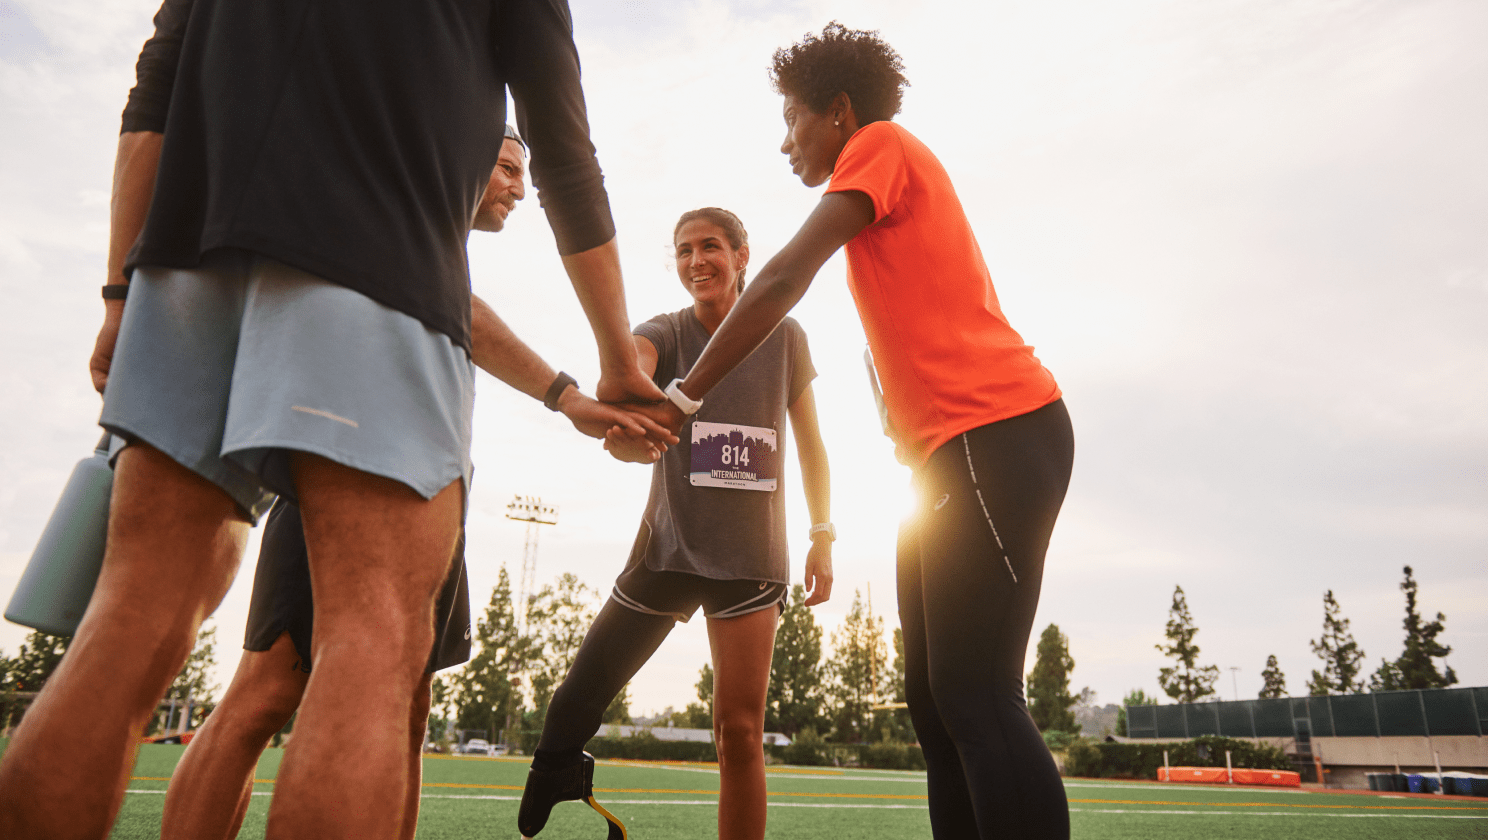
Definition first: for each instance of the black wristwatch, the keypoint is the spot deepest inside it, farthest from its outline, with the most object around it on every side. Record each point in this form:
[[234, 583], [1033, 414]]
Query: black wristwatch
[[550, 399]]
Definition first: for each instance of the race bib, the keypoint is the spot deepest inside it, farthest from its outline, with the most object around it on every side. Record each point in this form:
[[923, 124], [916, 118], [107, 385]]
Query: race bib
[[729, 455]]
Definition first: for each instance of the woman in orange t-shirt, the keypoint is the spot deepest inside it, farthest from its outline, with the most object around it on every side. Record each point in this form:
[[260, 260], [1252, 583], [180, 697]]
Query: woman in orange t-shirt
[[970, 408]]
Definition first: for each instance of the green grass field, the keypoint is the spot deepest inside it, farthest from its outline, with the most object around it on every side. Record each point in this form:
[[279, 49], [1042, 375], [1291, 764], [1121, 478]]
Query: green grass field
[[465, 797]]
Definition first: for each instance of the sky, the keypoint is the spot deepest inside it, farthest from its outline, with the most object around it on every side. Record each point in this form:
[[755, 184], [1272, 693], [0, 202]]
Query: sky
[[1247, 237]]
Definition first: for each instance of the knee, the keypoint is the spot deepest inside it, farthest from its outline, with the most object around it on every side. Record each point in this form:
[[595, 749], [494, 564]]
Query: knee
[[257, 716], [738, 733]]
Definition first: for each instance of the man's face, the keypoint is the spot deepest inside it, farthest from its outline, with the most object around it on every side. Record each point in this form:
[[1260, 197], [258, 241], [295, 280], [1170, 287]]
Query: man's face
[[504, 190]]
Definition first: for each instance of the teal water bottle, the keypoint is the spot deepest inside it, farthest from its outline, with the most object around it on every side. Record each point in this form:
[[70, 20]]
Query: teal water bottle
[[58, 582]]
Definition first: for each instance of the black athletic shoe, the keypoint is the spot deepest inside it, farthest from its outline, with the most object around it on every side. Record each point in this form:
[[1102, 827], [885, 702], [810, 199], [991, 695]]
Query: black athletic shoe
[[546, 788]]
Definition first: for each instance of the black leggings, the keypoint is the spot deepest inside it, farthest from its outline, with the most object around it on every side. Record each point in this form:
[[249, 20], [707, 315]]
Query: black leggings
[[970, 566], [616, 646]]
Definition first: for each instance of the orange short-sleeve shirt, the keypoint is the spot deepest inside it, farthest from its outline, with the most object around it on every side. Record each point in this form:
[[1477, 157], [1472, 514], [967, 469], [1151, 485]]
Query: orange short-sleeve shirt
[[947, 359]]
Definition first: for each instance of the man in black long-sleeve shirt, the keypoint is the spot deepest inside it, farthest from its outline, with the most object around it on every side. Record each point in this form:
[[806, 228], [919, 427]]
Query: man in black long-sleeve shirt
[[344, 145]]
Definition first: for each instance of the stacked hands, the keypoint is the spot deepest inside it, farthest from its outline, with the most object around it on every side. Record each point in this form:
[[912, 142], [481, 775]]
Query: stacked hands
[[633, 417]]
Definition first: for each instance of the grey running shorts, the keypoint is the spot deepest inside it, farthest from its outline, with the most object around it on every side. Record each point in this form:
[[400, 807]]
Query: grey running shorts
[[679, 594], [229, 366]]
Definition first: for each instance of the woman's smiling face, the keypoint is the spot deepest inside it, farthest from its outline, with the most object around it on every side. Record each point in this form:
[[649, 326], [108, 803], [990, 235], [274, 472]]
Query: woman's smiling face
[[707, 264]]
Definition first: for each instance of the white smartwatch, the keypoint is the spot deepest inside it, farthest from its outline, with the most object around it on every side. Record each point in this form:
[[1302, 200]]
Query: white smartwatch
[[684, 403], [824, 527]]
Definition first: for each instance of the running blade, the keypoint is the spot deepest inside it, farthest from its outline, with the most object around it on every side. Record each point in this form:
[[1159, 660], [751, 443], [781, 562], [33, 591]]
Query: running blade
[[617, 828]]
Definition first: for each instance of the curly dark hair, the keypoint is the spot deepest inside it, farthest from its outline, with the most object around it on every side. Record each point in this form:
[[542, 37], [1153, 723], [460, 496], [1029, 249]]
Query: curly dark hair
[[841, 60]]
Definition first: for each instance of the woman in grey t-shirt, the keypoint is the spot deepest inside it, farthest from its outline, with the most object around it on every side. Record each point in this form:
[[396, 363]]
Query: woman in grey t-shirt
[[713, 535]]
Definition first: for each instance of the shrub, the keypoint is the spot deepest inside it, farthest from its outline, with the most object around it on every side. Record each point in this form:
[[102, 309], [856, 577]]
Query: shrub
[[1058, 741], [1140, 761], [1083, 758], [891, 756]]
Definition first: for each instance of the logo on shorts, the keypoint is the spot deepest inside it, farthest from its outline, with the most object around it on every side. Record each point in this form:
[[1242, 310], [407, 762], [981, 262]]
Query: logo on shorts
[[942, 503]]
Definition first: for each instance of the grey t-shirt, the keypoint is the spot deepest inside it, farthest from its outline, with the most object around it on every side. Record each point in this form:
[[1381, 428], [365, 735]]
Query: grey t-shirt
[[724, 533]]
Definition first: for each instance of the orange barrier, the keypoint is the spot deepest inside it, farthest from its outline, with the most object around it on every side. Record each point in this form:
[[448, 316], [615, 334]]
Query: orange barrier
[[1276, 778], [1221, 776], [1202, 775]]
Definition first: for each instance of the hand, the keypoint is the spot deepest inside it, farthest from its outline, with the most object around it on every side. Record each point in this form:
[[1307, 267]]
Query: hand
[[819, 571], [595, 418], [103, 348], [664, 414], [635, 449], [627, 386]]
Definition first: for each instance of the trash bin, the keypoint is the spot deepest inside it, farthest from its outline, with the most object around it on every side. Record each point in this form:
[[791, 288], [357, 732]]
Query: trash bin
[[1399, 783], [1480, 785], [1417, 782], [1374, 780]]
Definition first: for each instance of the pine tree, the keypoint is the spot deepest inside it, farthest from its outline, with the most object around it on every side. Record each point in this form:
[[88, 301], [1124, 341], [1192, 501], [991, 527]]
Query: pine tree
[[1414, 668], [794, 697], [856, 675], [485, 692], [1186, 681], [1049, 698], [1274, 679], [1341, 655], [896, 724]]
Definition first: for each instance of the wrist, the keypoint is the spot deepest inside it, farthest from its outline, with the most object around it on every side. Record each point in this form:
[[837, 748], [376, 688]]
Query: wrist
[[680, 401], [561, 383], [823, 531]]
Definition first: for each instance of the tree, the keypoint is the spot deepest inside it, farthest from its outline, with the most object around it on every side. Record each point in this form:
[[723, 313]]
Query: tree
[[1049, 698], [485, 692], [1274, 679], [896, 725], [1135, 697], [1186, 681], [194, 681], [1341, 655], [1414, 668], [856, 676], [794, 697], [557, 619], [619, 709], [33, 664]]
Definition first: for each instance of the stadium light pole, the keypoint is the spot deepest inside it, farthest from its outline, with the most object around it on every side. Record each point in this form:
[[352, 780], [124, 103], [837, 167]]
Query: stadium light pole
[[1235, 682], [529, 509]]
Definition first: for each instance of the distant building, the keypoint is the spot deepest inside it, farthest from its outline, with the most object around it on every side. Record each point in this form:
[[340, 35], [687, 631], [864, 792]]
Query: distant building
[[679, 733]]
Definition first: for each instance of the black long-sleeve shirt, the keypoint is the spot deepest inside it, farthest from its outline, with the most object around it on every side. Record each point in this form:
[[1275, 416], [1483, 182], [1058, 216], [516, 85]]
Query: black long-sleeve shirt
[[353, 138]]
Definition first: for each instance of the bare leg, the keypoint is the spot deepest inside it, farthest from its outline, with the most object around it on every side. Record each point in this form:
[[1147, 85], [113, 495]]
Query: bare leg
[[210, 789], [378, 554], [173, 547], [418, 724], [742, 648]]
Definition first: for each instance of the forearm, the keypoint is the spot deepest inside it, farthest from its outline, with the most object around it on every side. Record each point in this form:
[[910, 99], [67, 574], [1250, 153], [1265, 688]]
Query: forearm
[[135, 163], [498, 351], [816, 481], [596, 279]]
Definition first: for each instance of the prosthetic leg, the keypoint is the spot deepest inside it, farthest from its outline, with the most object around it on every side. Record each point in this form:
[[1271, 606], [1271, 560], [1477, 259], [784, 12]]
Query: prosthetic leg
[[546, 788]]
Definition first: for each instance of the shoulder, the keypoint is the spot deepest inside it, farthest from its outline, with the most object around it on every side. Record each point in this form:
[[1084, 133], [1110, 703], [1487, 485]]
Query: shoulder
[[880, 135], [665, 322], [792, 328]]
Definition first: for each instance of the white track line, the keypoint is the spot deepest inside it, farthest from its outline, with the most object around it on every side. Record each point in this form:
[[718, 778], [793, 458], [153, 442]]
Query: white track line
[[888, 807]]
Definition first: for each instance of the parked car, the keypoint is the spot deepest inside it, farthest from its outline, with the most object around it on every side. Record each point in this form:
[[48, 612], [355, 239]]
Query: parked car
[[475, 746]]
